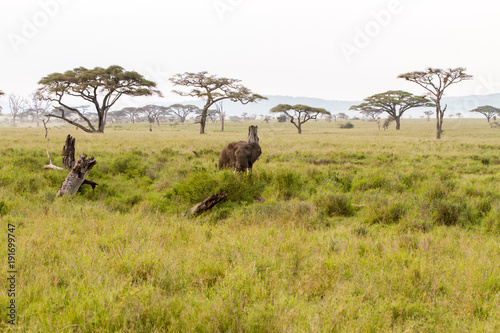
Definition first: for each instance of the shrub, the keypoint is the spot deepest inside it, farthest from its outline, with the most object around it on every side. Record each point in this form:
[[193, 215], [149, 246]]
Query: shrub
[[385, 212], [288, 183], [334, 204], [281, 118], [491, 222], [129, 164], [347, 125]]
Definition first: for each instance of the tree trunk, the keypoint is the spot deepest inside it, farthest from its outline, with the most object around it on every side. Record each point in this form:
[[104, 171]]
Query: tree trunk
[[77, 175], [203, 120], [439, 118], [208, 203], [299, 128], [398, 122], [222, 123], [68, 153], [252, 134]]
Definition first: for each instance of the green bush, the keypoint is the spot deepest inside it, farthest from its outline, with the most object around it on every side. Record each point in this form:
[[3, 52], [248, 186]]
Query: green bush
[[450, 211], [385, 212], [132, 165], [491, 222], [347, 125], [334, 204]]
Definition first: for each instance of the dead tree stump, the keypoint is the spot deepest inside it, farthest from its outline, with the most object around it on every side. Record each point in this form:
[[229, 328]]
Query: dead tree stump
[[76, 176], [252, 134], [68, 153], [208, 203]]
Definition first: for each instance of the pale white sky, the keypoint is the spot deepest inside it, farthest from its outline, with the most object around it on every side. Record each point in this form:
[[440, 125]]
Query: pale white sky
[[344, 50]]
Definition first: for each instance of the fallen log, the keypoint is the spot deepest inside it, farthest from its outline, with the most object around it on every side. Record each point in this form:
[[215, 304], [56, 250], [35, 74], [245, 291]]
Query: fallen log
[[76, 176], [208, 203]]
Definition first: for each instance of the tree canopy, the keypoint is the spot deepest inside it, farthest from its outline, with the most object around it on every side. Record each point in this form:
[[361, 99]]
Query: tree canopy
[[392, 102], [487, 111], [435, 81], [213, 89], [299, 114], [101, 87]]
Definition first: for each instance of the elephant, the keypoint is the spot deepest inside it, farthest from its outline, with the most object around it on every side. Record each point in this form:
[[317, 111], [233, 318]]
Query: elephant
[[239, 156]]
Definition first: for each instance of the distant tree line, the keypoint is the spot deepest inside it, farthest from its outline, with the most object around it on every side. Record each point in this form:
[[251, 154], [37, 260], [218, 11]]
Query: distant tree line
[[101, 88]]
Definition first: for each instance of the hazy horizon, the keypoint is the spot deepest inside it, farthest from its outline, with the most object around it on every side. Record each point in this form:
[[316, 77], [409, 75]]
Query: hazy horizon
[[320, 49]]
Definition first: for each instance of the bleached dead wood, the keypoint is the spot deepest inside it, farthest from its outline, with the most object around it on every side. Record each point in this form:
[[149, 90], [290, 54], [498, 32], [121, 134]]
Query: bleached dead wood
[[50, 165]]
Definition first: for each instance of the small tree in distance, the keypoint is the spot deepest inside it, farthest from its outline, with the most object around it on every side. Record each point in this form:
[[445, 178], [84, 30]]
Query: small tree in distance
[[371, 113], [428, 114], [131, 112], [299, 114], [182, 111], [393, 102], [488, 111], [435, 81], [153, 112], [17, 105]]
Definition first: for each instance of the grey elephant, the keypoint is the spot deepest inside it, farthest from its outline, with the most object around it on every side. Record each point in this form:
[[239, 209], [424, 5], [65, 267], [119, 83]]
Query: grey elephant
[[239, 156]]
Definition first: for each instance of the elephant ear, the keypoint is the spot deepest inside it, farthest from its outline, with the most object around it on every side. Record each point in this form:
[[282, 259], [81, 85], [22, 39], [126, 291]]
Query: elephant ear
[[256, 152]]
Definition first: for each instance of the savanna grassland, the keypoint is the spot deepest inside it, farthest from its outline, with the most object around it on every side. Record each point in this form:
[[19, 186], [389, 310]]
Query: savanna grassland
[[361, 230]]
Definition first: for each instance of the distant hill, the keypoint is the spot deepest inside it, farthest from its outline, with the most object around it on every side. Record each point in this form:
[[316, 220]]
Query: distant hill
[[455, 105], [263, 107]]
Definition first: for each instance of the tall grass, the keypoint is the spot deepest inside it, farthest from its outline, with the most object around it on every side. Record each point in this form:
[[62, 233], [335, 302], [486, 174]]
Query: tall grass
[[361, 230]]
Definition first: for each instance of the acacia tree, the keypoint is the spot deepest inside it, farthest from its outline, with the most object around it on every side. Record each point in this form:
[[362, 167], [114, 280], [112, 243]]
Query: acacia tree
[[182, 111], [392, 102], [298, 114], [154, 112], [371, 113], [428, 114], [130, 111], [435, 81], [213, 89], [487, 111], [102, 87]]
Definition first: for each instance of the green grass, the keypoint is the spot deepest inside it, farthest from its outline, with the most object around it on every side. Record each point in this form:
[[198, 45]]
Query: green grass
[[361, 230]]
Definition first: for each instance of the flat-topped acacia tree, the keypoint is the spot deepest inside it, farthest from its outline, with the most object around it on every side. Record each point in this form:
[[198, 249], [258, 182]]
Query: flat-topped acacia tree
[[101, 87], [393, 102], [488, 111], [213, 89], [182, 111], [298, 114], [435, 81]]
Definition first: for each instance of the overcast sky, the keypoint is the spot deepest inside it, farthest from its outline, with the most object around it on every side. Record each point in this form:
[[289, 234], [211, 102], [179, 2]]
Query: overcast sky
[[344, 50]]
